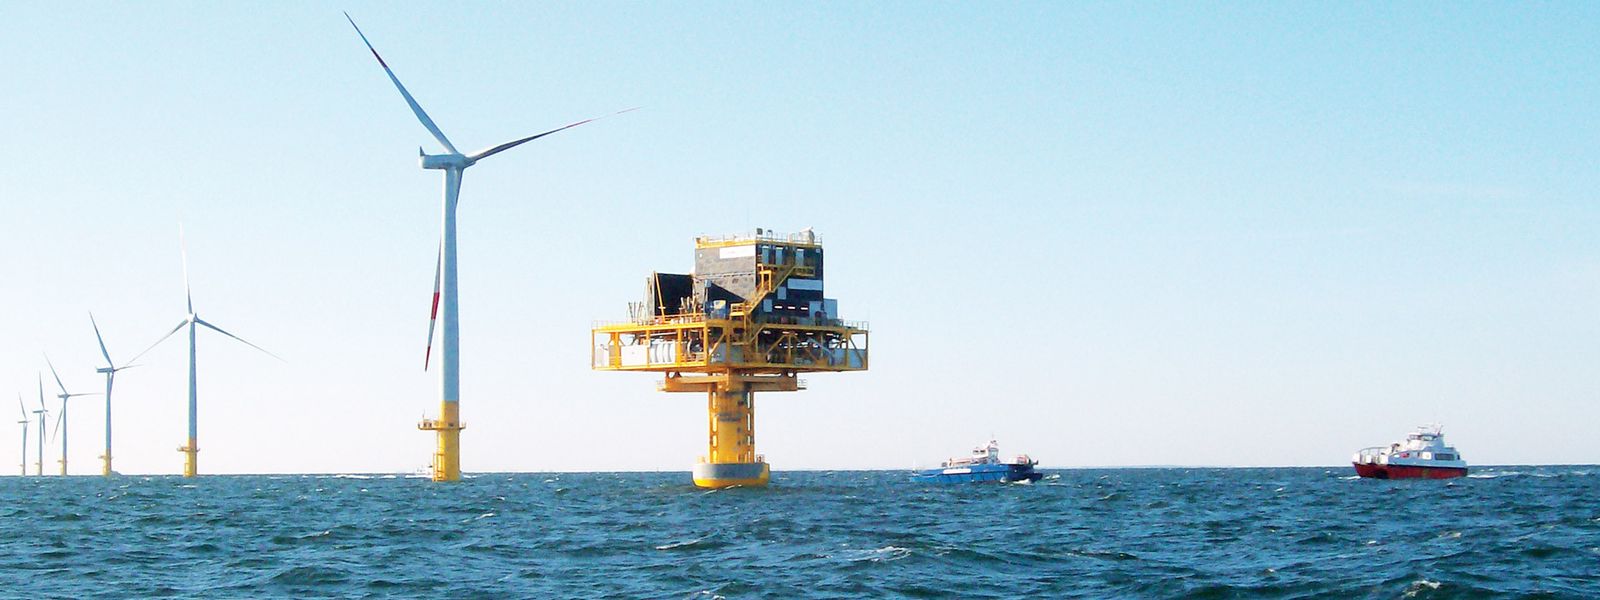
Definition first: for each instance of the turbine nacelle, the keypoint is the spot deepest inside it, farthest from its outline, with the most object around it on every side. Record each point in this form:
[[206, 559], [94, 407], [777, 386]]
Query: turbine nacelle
[[444, 161]]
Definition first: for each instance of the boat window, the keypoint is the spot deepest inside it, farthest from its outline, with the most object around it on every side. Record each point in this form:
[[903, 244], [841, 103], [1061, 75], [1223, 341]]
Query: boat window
[[1445, 456]]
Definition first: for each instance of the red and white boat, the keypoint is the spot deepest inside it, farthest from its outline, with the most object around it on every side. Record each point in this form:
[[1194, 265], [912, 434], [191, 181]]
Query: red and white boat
[[1423, 455]]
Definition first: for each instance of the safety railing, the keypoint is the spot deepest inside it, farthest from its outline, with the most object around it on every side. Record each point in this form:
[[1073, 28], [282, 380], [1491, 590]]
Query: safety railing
[[803, 237]]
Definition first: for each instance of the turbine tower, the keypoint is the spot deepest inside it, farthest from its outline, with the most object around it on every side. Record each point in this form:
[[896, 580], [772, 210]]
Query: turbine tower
[[61, 420], [192, 320], [24, 422], [110, 371], [43, 414], [447, 458]]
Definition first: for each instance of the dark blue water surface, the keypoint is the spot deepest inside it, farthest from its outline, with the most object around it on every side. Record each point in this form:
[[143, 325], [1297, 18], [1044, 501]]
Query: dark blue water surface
[[1217, 533]]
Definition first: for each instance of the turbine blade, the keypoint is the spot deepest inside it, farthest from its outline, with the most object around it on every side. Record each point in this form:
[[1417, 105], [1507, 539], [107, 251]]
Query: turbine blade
[[41, 394], [241, 340], [102, 341], [185, 321], [433, 315], [416, 108], [482, 154], [21, 407], [183, 249], [63, 386], [57, 429]]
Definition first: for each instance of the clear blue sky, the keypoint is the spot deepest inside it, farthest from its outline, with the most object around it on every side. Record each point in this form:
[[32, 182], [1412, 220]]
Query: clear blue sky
[[1240, 234]]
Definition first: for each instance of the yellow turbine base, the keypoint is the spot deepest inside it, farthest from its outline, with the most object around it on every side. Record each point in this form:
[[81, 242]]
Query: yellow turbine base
[[447, 457], [105, 465], [191, 458]]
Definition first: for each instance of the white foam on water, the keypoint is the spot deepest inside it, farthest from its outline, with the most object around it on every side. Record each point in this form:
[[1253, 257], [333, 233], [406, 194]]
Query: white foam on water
[[884, 554], [1418, 586], [682, 544]]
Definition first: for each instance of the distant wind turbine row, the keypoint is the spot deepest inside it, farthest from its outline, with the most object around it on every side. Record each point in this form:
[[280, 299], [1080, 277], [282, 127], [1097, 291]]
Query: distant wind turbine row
[[447, 459], [190, 449]]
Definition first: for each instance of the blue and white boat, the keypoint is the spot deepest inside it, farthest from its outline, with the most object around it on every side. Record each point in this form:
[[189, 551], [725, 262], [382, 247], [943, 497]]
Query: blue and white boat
[[983, 465]]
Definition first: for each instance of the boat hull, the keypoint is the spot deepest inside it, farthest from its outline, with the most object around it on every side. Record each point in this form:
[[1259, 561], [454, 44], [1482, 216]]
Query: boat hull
[[1376, 471], [1001, 473]]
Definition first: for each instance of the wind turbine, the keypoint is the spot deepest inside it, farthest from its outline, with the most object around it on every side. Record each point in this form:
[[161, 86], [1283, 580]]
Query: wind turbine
[[192, 320], [24, 422], [61, 420], [110, 371], [447, 459], [43, 414]]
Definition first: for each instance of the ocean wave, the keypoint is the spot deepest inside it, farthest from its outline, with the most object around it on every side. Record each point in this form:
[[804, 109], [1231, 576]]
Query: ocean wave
[[683, 544], [876, 555], [1097, 533], [1419, 586]]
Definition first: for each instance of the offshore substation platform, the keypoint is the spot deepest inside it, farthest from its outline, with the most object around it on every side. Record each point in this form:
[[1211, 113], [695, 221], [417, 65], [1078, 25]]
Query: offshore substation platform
[[750, 318]]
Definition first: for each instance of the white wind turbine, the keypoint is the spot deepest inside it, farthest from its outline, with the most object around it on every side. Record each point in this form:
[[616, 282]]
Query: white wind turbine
[[42, 415], [61, 419], [24, 422], [110, 371], [447, 461], [192, 320]]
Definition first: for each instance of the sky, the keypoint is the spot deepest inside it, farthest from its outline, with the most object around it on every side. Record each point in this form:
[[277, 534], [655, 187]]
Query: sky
[[1105, 234]]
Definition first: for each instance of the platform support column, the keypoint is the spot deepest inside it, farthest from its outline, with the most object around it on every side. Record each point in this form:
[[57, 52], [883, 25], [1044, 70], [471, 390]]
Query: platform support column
[[731, 439], [447, 456], [732, 414], [191, 458]]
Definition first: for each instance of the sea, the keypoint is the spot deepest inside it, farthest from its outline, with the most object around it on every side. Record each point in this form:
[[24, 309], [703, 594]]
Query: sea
[[1079, 533]]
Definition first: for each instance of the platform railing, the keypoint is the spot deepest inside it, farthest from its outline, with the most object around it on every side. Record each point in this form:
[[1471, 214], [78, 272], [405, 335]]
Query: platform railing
[[765, 236]]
